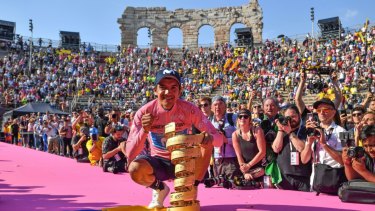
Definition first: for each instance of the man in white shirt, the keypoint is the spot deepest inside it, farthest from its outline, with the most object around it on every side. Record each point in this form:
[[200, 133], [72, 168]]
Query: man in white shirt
[[329, 145]]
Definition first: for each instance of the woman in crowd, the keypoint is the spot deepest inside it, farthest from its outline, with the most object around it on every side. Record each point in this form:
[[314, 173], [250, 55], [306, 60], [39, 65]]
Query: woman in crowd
[[250, 146]]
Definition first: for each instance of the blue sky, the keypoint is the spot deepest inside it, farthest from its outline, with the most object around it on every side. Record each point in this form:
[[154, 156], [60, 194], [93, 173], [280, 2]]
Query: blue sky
[[96, 20]]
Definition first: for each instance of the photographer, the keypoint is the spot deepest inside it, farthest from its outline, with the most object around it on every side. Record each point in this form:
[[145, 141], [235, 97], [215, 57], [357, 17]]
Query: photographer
[[289, 143], [329, 145], [113, 158], [79, 141], [368, 119], [94, 147], [358, 165]]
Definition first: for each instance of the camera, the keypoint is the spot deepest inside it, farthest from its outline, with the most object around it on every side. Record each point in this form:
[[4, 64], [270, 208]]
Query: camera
[[114, 116], [284, 120], [241, 183], [356, 152], [220, 180], [347, 139]]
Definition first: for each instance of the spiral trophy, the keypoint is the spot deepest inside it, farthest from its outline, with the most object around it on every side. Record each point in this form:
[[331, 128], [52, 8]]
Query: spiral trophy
[[184, 151]]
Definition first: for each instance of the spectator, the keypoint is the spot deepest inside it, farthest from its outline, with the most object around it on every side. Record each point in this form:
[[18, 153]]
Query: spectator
[[66, 132], [49, 128], [250, 146], [225, 161], [14, 129]]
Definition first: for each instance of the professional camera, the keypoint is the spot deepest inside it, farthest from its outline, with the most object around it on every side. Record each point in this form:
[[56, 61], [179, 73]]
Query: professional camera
[[356, 152], [241, 183], [284, 120], [347, 139], [220, 180]]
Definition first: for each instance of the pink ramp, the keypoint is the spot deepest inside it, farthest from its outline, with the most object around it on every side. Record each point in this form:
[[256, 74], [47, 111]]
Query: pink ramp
[[34, 180]]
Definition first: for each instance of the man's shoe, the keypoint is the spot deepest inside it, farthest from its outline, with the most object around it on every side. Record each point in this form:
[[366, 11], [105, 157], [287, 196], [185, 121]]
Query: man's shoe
[[158, 197]]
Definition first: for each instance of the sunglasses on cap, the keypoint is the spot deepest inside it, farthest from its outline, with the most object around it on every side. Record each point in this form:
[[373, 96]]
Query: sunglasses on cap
[[203, 105], [243, 116]]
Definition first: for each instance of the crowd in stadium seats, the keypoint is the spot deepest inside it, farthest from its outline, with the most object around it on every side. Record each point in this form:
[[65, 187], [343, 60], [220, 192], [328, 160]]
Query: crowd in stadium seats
[[258, 88]]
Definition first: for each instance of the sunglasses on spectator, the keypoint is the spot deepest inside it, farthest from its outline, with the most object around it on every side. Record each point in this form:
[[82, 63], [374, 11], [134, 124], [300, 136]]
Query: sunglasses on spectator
[[324, 110], [203, 105], [357, 114], [257, 106], [243, 117]]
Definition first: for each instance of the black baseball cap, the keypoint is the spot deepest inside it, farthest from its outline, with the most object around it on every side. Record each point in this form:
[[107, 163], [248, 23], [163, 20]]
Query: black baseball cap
[[167, 73], [324, 101]]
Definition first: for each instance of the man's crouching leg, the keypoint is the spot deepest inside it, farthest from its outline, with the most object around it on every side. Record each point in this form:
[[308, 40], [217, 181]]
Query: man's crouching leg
[[142, 172]]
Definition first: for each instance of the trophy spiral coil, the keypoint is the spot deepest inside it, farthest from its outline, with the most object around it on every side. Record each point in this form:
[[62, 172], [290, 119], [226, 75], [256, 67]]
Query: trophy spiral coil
[[184, 150]]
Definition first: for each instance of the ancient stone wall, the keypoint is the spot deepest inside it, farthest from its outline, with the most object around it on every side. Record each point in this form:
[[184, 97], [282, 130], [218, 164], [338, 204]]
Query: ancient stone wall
[[160, 21]]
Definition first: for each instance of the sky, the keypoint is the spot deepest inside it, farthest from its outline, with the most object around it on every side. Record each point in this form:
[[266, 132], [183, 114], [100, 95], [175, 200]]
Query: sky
[[96, 20]]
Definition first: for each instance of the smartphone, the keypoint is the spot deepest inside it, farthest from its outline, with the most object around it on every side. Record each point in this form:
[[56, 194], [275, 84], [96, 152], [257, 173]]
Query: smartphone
[[343, 112], [309, 116], [316, 118]]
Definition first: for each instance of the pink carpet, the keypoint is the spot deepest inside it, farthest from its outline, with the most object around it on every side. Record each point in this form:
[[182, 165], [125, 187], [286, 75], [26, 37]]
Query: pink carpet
[[33, 180]]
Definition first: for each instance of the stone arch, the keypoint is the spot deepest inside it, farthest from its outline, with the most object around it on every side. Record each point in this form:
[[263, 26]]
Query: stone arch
[[206, 29], [232, 27], [143, 39], [160, 21], [175, 31]]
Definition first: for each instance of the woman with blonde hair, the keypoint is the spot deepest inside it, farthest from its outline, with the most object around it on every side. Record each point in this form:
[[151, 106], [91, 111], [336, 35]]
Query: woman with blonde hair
[[250, 147]]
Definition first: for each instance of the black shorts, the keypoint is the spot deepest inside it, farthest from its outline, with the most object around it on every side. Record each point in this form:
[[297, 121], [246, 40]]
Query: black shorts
[[163, 168]]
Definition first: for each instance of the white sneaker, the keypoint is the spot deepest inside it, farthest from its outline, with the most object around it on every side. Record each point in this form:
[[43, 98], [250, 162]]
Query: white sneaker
[[158, 197]]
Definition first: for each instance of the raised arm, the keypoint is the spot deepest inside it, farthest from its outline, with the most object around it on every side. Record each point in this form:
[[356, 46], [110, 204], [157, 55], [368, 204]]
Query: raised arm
[[298, 97]]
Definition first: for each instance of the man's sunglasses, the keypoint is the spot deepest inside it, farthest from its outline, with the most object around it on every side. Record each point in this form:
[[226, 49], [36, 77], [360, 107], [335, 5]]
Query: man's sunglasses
[[243, 117], [357, 114], [203, 105], [257, 106]]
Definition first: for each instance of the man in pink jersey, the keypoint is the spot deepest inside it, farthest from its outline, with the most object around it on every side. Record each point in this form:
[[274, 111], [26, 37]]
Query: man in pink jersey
[[148, 124]]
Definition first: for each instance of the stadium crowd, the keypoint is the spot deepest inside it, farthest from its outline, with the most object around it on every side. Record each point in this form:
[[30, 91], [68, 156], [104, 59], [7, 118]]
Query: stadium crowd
[[271, 140]]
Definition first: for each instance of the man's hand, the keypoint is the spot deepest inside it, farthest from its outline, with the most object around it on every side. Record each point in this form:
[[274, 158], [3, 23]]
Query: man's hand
[[208, 139], [286, 128], [347, 160], [359, 164], [147, 120]]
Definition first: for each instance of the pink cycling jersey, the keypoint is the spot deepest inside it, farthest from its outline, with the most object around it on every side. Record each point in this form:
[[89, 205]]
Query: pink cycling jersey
[[183, 113]]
